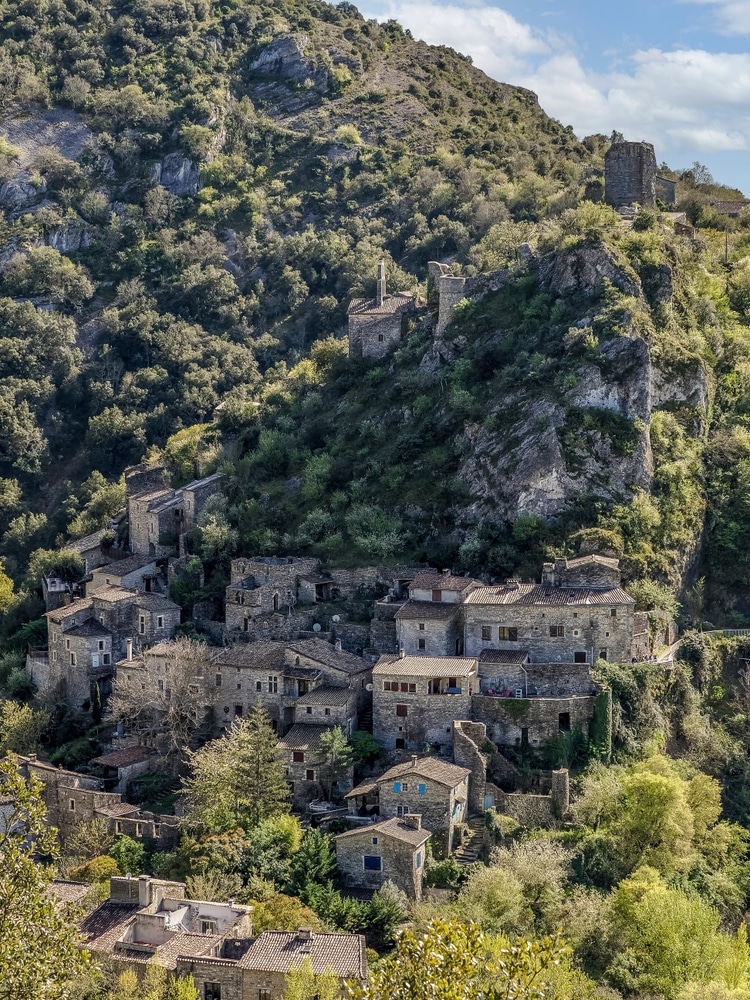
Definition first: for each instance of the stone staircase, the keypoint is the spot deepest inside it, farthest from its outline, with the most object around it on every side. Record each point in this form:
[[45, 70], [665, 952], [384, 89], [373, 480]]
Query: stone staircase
[[365, 720], [474, 842]]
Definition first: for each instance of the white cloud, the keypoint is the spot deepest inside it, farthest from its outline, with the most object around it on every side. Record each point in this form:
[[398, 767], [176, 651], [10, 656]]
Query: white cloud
[[733, 15], [685, 101]]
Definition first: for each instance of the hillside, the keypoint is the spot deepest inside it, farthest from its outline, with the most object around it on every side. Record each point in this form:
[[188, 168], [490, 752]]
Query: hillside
[[191, 196]]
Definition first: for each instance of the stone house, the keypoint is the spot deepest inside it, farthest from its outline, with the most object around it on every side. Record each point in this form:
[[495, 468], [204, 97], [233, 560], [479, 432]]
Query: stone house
[[392, 850], [86, 638], [136, 572], [304, 764], [430, 621], [159, 515], [71, 798], [416, 699], [263, 585], [375, 325], [578, 614], [434, 788], [122, 766], [90, 549], [150, 920], [260, 973]]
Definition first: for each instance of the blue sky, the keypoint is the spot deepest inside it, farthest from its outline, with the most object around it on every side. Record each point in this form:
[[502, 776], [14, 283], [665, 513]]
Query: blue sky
[[673, 72]]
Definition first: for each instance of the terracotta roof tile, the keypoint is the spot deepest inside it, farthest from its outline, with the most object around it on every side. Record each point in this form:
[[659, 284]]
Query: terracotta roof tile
[[124, 757], [395, 828], [401, 302], [425, 666], [281, 951], [427, 611], [76, 608], [69, 892], [433, 768], [538, 595], [442, 581]]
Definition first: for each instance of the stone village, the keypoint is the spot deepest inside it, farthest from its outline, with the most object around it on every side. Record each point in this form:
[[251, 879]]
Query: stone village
[[448, 673]]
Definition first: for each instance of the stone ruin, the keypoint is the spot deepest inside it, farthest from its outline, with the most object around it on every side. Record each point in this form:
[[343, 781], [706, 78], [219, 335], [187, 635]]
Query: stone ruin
[[630, 174]]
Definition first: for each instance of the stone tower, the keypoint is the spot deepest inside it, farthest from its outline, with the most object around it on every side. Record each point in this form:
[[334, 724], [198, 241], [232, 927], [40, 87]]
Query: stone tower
[[630, 174]]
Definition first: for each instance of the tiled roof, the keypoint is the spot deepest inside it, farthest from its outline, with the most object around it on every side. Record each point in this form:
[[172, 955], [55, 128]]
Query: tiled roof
[[610, 561], [442, 581], [112, 593], [104, 925], [391, 305], [88, 542], [69, 892], [170, 501], [363, 789], [89, 627], [155, 602], [395, 828], [327, 654], [425, 666], [76, 608], [197, 483], [432, 611], [125, 757], [538, 595], [281, 951], [252, 654], [117, 809], [730, 207], [152, 494], [301, 737], [186, 944], [510, 656], [428, 767], [327, 696], [119, 567]]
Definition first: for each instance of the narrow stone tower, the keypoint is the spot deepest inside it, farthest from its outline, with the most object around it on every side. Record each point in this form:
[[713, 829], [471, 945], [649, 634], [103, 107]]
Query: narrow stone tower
[[630, 174]]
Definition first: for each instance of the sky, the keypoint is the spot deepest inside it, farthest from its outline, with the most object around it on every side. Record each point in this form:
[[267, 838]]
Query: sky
[[675, 73]]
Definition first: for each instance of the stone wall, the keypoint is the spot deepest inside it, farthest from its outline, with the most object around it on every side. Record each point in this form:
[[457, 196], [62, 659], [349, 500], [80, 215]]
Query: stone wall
[[512, 721], [440, 808], [428, 720], [468, 740], [545, 680], [398, 864], [207, 972], [666, 190], [630, 174], [354, 638], [373, 336], [440, 636], [451, 290]]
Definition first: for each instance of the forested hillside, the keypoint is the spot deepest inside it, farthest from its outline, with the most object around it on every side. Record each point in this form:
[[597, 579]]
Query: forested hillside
[[191, 195]]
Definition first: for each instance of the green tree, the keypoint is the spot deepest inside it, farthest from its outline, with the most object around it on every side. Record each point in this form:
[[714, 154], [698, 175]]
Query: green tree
[[315, 861], [129, 854], [334, 757], [27, 906], [21, 727], [304, 984], [238, 779]]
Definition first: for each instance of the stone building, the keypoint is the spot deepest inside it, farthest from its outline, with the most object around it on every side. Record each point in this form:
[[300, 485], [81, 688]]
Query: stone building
[[429, 623], [630, 174], [375, 325], [666, 190], [90, 549], [135, 572], [305, 764], [416, 699], [578, 614], [260, 974], [434, 788], [159, 515], [445, 290], [150, 920], [390, 851], [86, 638], [71, 798]]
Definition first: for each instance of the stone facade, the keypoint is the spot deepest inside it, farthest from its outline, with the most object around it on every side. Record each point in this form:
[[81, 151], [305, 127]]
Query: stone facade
[[159, 515], [136, 572], [416, 699], [427, 629], [630, 174], [435, 789], [305, 766], [531, 721], [375, 325], [392, 850], [469, 743], [666, 190]]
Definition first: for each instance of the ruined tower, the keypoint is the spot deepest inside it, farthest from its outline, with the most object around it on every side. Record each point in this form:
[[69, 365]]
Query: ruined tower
[[630, 174]]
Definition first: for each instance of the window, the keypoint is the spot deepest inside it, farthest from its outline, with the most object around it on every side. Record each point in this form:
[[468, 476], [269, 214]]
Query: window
[[218, 680], [264, 994], [412, 689], [404, 786], [258, 686], [375, 840], [95, 660], [67, 643], [564, 720], [603, 653], [421, 626], [138, 830], [160, 621], [211, 991], [72, 805], [507, 633], [437, 595], [418, 862], [273, 684], [142, 624], [381, 338], [245, 624], [72, 659], [524, 737], [579, 658], [160, 683], [327, 711], [100, 644], [422, 789], [106, 659], [486, 633], [310, 775], [372, 863], [402, 710], [208, 926], [238, 710], [309, 710], [557, 631], [421, 644], [613, 613], [400, 743], [397, 786], [298, 756], [118, 826]]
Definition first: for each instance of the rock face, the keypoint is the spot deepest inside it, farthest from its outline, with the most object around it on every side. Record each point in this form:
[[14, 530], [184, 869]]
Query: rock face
[[285, 58], [583, 269], [19, 192], [73, 235], [177, 174]]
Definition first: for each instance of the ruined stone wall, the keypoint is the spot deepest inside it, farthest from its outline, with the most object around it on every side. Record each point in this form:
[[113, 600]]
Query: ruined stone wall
[[546, 680], [451, 290], [468, 740], [630, 174], [354, 638], [373, 336], [529, 810], [383, 636], [666, 190], [507, 718]]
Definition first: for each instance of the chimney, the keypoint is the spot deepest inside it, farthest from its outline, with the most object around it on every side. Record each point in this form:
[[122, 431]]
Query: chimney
[[446, 572], [380, 294], [337, 645], [414, 820], [305, 933], [401, 653], [129, 646], [413, 760], [144, 890]]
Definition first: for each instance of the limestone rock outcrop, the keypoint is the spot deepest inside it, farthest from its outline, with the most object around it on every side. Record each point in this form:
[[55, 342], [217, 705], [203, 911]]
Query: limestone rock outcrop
[[285, 58], [176, 173]]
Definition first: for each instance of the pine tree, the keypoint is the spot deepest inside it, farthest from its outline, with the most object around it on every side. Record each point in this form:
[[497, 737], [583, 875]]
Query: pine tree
[[238, 779]]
